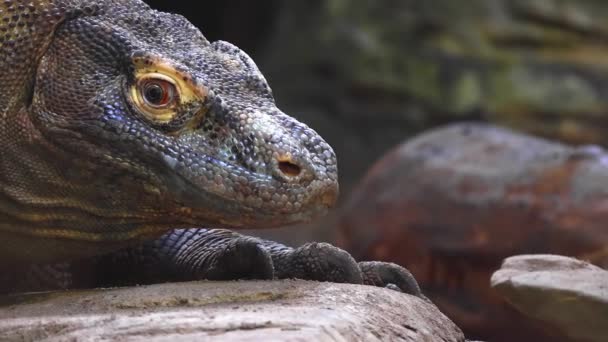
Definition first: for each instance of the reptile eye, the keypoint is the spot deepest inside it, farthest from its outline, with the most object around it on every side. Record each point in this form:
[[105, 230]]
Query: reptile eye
[[157, 97], [158, 93], [161, 93]]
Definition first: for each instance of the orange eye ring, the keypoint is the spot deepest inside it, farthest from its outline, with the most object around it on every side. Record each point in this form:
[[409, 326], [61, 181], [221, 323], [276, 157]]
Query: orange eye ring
[[160, 91]]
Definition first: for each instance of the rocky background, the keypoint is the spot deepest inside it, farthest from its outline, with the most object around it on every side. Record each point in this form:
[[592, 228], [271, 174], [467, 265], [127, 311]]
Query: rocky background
[[368, 75]]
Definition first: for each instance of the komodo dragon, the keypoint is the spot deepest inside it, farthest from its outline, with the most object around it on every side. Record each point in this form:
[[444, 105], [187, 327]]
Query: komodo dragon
[[121, 127]]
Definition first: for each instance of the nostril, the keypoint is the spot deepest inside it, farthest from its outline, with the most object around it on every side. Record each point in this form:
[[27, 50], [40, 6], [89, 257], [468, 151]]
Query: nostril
[[289, 169]]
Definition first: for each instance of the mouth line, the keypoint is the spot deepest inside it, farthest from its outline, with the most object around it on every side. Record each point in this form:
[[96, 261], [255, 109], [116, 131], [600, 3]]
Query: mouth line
[[252, 220], [277, 221]]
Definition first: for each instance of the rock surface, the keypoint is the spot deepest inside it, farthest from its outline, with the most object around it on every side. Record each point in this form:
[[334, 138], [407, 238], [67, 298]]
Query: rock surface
[[451, 204], [226, 311], [568, 293]]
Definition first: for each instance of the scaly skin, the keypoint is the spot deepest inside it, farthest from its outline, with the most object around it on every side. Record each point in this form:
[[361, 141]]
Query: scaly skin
[[119, 123]]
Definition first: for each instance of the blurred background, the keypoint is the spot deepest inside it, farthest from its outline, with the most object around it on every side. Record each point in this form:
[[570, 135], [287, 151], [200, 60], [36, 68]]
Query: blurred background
[[368, 75]]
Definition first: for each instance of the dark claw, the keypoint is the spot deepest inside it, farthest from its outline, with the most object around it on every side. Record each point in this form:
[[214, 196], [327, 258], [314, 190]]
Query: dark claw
[[389, 275], [393, 287]]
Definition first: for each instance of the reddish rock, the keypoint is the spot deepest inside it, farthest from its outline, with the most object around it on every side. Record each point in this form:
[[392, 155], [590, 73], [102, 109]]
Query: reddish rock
[[452, 203]]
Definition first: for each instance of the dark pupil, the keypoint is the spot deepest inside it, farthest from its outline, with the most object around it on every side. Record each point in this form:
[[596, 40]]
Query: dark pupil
[[154, 94]]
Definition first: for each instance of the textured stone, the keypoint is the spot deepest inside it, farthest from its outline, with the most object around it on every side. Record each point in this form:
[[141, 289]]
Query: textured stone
[[452, 203], [570, 294], [226, 311]]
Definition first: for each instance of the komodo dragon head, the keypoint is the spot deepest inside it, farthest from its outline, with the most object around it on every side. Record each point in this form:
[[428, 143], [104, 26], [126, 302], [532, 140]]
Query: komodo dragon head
[[128, 120]]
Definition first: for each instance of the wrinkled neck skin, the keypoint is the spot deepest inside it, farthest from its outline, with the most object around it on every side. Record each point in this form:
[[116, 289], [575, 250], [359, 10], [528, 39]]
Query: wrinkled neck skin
[[52, 200]]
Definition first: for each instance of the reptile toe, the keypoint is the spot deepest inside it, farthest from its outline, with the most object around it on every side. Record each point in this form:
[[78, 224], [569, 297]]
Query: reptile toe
[[322, 262], [242, 258], [389, 275]]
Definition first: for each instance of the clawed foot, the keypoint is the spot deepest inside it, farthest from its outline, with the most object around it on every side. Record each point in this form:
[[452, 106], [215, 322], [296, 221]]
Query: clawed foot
[[227, 255], [216, 254], [324, 262]]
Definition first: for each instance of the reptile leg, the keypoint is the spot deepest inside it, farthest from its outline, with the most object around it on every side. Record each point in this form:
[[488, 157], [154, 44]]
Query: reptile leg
[[29, 278], [180, 255], [188, 254], [218, 254], [214, 254]]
